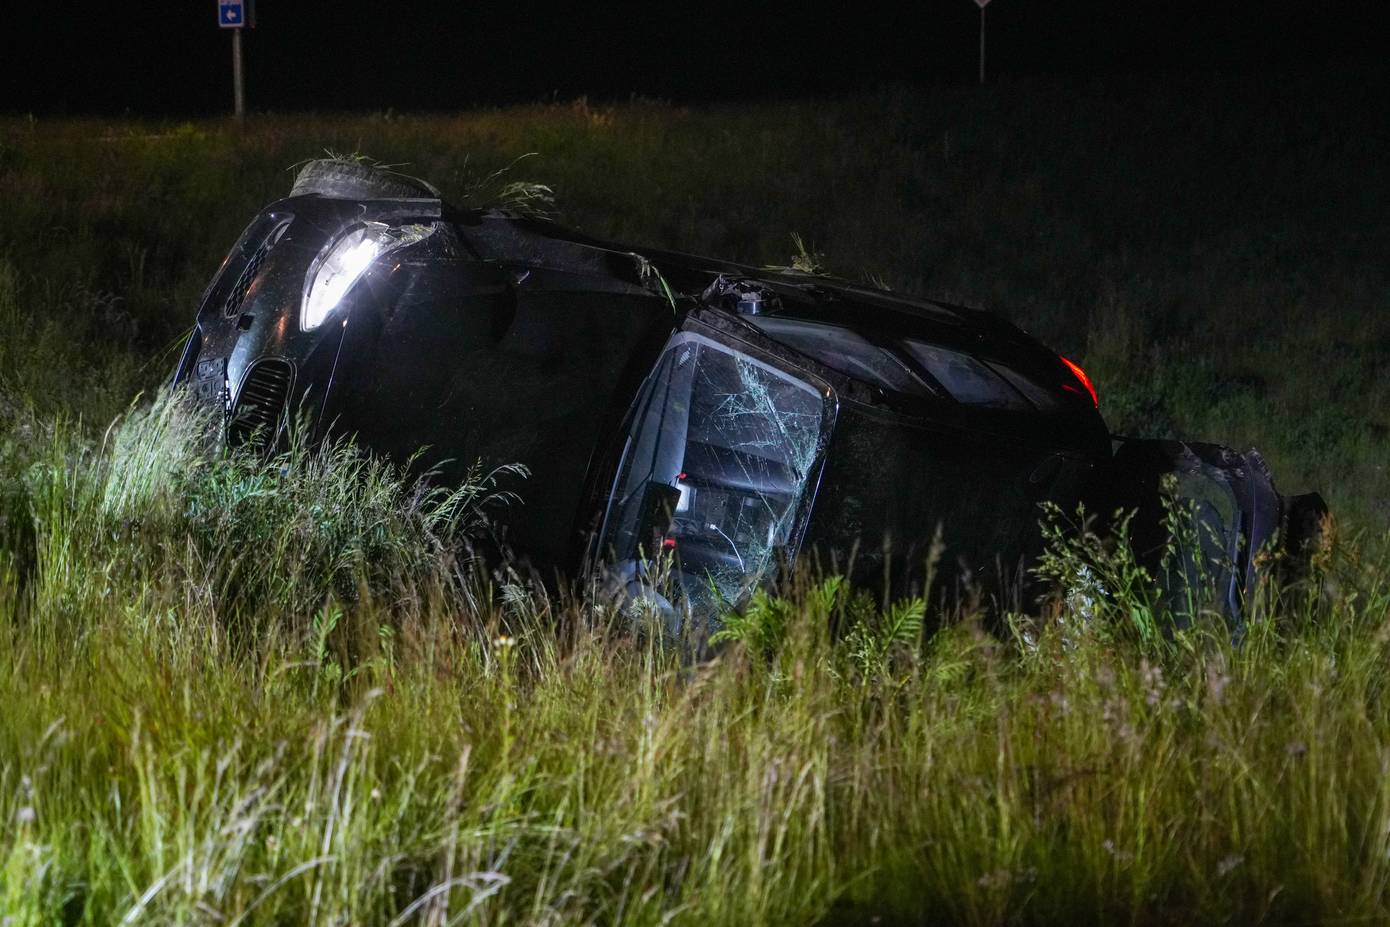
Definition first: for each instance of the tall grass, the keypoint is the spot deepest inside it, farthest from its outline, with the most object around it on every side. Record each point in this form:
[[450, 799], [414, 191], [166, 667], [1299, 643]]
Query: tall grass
[[245, 691], [298, 705]]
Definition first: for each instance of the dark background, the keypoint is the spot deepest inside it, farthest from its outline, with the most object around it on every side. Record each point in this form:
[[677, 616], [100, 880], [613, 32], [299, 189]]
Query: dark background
[[168, 58]]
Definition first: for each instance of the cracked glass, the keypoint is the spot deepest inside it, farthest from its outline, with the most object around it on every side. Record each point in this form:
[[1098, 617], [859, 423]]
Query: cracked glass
[[720, 454]]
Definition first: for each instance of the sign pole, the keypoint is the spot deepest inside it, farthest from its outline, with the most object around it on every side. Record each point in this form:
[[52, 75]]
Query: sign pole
[[982, 4], [982, 45], [239, 89], [233, 15]]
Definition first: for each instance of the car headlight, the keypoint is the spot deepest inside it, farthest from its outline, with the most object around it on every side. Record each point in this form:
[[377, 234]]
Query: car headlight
[[344, 262]]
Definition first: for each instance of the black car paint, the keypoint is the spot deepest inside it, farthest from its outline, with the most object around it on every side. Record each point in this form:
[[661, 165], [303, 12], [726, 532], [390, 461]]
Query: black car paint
[[511, 340]]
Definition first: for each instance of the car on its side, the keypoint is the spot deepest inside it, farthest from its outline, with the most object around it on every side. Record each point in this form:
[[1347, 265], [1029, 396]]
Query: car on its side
[[725, 419]]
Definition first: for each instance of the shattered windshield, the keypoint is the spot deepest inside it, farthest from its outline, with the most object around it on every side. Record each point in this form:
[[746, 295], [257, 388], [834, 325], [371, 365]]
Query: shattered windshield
[[720, 453]]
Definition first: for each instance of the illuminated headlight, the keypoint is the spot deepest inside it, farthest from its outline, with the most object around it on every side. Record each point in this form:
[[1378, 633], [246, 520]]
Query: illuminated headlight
[[344, 262]]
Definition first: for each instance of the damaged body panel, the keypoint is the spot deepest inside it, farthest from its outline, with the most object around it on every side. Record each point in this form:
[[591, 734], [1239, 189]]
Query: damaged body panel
[[1231, 521], [719, 419]]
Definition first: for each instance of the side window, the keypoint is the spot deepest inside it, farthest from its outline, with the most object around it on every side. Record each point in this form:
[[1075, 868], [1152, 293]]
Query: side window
[[966, 378], [721, 452], [963, 377], [1043, 399], [841, 349]]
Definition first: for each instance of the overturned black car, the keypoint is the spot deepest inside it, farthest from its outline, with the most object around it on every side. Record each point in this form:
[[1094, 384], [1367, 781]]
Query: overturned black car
[[722, 419]]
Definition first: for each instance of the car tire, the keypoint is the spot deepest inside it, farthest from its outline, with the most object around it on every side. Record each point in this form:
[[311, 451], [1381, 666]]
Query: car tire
[[343, 179]]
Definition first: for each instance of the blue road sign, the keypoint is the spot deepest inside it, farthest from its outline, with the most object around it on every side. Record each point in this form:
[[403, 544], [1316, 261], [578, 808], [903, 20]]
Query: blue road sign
[[231, 14]]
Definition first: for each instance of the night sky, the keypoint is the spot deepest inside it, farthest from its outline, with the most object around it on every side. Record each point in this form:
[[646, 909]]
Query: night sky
[[168, 58]]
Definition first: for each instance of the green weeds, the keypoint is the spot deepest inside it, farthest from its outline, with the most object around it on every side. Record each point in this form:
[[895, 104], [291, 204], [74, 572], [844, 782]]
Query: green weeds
[[282, 691], [260, 692]]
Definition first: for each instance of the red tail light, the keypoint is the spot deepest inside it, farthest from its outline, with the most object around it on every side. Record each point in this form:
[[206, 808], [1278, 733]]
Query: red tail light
[[1081, 378]]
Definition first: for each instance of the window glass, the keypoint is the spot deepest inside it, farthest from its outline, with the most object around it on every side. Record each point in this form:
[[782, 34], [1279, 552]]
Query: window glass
[[843, 350], [1041, 397], [719, 458], [966, 378]]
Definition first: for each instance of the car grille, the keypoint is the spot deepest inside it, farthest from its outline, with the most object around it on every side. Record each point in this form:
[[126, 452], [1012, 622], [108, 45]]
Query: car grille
[[260, 409], [248, 274]]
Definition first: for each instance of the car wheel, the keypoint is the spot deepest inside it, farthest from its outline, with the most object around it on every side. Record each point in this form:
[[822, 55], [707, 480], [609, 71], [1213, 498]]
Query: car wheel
[[340, 178]]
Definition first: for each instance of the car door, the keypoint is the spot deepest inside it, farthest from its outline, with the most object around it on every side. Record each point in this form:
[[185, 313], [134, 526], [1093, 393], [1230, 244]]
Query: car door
[[719, 465]]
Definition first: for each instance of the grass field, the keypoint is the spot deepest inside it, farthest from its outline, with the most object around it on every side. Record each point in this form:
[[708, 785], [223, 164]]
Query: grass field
[[244, 692]]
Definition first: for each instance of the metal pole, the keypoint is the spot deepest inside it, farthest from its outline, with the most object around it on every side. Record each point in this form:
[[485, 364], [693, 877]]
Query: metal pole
[[982, 45], [238, 90]]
